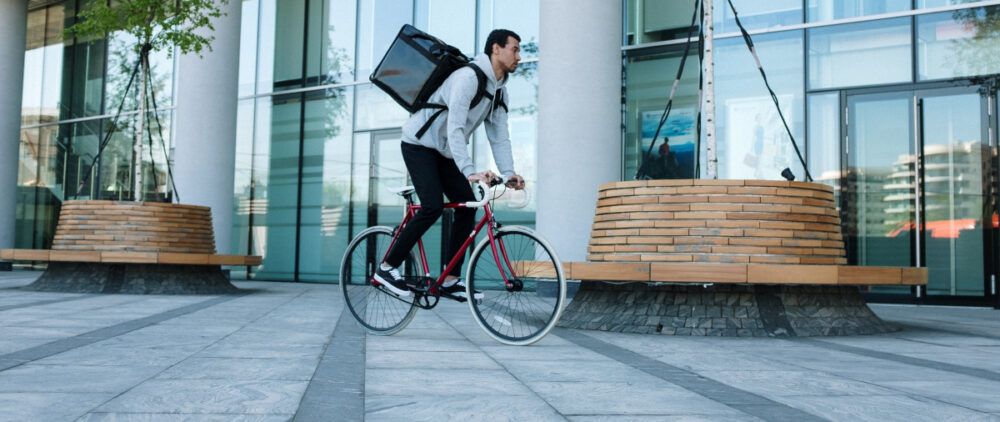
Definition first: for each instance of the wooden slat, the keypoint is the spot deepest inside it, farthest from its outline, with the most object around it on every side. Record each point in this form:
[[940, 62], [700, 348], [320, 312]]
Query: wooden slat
[[698, 273], [869, 275], [793, 274], [610, 271], [74, 256]]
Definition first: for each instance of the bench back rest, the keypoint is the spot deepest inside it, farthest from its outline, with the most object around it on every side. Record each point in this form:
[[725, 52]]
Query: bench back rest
[[134, 227], [737, 221]]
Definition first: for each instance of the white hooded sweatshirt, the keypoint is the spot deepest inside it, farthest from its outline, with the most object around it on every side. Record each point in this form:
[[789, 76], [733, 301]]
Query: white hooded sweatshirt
[[450, 132]]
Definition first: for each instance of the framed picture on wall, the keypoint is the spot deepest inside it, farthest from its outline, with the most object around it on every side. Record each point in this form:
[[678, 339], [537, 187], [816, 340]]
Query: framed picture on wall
[[677, 159]]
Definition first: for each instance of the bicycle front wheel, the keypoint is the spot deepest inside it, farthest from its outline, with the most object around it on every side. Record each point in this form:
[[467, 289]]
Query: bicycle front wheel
[[379, 311], [522, 284]]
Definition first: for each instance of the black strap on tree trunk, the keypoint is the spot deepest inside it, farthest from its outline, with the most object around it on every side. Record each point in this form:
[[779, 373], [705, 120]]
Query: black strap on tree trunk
[[163, 145], [753, 51], [643, 172]]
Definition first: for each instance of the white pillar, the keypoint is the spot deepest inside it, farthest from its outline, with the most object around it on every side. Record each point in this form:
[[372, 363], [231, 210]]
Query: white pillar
[[13, 30], [205, 125], [579, 116]]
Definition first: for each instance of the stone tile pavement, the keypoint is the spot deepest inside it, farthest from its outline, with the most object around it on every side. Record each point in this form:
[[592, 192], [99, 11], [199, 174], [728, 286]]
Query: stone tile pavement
[[285, 351]]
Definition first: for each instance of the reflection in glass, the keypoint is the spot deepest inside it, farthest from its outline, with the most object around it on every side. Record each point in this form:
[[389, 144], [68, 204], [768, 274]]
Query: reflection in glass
[[878, 189], [243, 202], [520, 16], [324, 229], [338, 40], [648, 81], [960, 43], [838, 54], [378, 23], [752, 141], [825, 10], [248, 47], [954, 161], [757, 14], [453, 21], [824, 139], [289, 42], [276, 187], [377, 110], [654, 20]]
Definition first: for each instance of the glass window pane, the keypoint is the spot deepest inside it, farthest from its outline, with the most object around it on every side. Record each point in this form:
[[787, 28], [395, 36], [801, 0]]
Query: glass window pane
[[960, 43], [276, 186], [85, 86], [377, 110], [243, 179], [338, 44], [866, 53], [520, 16], [52, 74], [824, 139], [288, 43], [825, 10], [326, 186], [379, 22], [657, 20], [752, 141], [755, 14], [266, 46], [453, 21], [648, 81], [34, 62], [248, 47]]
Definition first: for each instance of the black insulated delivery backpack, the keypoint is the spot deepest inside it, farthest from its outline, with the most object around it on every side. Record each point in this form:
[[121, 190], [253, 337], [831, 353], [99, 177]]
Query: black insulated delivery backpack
[[415, 65]]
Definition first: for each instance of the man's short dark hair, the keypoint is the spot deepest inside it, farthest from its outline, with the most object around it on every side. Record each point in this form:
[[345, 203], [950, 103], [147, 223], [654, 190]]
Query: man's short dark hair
[[499, 37]]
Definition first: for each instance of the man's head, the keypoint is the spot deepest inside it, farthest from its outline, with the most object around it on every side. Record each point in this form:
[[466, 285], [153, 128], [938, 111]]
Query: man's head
[[504, 48]]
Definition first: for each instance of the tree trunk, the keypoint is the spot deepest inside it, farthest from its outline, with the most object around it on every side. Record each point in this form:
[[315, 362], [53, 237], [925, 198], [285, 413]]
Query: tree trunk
[[708, 107], [140, 129]]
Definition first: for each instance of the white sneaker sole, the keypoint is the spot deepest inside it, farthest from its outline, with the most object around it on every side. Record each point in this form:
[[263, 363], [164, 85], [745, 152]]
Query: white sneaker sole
[[478, 296], [392, 289]]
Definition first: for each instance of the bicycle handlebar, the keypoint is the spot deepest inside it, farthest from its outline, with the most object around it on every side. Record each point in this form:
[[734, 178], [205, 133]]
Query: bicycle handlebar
[[484, 190]]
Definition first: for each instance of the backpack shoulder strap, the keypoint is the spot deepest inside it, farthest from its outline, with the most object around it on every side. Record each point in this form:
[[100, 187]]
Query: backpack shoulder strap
[[481, 89]]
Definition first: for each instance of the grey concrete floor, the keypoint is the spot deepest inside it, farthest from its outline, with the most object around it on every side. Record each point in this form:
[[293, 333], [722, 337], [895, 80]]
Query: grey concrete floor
[[288, 351]]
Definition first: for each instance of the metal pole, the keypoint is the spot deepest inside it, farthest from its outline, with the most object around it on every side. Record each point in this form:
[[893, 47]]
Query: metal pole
[[708, 106]]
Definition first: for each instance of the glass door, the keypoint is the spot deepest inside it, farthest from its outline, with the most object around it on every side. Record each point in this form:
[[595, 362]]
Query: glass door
[[955, 153], [879, 188], [919, 188]]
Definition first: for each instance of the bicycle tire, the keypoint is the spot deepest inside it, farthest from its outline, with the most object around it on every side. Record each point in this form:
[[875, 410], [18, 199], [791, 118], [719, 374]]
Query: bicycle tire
[[538, 268], [356, 290]]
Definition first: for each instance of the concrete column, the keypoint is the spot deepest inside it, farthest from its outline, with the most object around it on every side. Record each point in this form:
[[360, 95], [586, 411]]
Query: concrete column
[[205, 125], [579, 116], [13, 30]]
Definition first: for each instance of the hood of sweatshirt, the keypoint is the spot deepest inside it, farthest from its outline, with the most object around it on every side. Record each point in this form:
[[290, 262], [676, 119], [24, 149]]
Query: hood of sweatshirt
[[484, 63]]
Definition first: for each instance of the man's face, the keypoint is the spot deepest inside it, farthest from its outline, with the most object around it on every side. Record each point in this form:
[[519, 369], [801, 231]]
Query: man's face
[[507, 57]]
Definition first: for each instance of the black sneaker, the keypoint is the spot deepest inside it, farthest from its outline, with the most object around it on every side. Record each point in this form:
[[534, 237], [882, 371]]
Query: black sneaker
[[392, 281], [458, 290]]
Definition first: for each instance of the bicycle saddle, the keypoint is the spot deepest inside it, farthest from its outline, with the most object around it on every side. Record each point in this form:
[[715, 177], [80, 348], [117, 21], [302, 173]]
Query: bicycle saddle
[[402, 190]]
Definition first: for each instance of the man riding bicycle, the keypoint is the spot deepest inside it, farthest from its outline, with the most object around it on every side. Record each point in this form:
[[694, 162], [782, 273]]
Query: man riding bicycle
[[437, 157]]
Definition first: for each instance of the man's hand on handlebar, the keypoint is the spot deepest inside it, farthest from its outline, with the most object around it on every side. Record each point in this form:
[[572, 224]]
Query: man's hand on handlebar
[[515, 182], [487, 177]]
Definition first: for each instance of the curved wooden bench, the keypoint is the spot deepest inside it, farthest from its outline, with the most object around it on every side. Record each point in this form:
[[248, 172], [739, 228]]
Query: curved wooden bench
[[132, 233], [724, 231]]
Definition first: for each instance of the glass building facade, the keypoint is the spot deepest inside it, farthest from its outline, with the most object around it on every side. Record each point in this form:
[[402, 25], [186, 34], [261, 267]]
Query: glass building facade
[[893, 102]]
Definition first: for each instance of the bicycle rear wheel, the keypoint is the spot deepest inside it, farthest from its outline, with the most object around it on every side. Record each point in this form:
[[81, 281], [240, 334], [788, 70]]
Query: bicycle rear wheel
[[379, 311], [525, 307]]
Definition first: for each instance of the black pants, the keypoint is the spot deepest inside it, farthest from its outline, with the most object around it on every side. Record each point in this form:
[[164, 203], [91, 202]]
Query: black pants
[[433, 175]]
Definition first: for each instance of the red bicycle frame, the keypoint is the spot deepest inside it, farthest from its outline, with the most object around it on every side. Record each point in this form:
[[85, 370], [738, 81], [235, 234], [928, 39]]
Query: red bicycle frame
[[496, 245]]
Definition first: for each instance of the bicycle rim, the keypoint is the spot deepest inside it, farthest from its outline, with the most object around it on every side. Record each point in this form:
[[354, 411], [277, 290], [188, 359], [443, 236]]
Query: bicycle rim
[[380, 312], [510, 315]]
